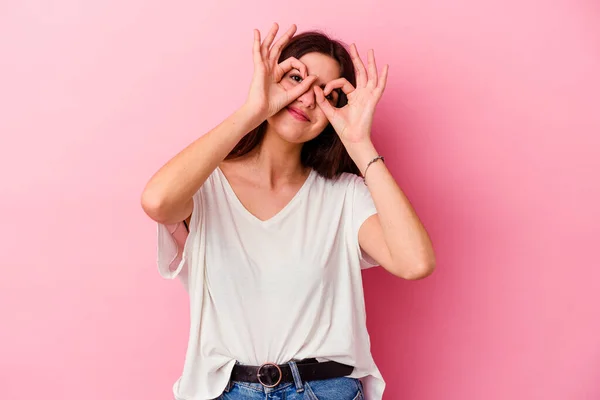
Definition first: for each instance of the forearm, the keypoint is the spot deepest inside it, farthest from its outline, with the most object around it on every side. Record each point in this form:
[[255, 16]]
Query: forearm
[[405, 236], [174, 184]]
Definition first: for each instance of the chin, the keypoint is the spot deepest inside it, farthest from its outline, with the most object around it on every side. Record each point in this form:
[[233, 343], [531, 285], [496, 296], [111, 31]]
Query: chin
[[293, 135]]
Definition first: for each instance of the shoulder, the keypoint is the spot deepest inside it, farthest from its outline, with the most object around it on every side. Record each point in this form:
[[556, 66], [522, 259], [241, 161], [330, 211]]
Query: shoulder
[[345, 181], [343, 189]]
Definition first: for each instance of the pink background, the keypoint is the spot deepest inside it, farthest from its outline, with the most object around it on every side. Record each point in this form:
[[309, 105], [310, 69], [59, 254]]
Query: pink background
[[490, 124]]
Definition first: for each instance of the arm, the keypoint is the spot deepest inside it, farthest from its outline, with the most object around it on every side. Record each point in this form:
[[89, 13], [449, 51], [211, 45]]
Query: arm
[[167, 197], [394, 237]]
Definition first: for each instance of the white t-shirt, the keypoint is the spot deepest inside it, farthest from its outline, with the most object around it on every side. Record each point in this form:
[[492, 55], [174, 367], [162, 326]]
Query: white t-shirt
[[286, 288]]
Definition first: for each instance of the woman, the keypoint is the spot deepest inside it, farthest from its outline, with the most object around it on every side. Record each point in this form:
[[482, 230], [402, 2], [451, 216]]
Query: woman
[[278, 224]]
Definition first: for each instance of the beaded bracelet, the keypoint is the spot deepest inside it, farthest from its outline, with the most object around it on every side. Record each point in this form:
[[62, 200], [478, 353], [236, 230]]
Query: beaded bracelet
[[368, 165]]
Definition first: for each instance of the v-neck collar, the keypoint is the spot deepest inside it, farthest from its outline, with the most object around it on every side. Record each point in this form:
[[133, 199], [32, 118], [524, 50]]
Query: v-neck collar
[[280, 214]]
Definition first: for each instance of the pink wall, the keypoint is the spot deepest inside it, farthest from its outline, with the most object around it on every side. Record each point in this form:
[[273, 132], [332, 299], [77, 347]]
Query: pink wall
[[490, 123]]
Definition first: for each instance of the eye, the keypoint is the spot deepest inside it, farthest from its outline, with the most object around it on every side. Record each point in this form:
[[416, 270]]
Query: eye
[[331, 96], [296, 78]]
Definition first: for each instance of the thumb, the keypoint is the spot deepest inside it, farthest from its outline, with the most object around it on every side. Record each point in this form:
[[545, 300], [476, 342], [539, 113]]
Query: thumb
[[300, 89], [323, 103]]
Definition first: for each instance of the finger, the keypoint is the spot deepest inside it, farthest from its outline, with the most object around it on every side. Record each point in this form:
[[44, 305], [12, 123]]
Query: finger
[[300, 89], [289, 64], [264, 50], [322, 102], [383, 79], [372, 69], [361, 73], [275, 52], [340, 83], [256, 48]]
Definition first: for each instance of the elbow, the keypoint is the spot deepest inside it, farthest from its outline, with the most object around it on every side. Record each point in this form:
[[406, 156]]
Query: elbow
[[152, 205], [162, 209], [415, 271], [422, 272]]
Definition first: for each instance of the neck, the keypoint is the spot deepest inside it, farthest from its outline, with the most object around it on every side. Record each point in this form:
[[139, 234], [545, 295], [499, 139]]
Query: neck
[[277, 161]]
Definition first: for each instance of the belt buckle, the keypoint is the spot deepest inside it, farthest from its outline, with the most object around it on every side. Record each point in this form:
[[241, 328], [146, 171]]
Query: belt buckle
[[258, 375]]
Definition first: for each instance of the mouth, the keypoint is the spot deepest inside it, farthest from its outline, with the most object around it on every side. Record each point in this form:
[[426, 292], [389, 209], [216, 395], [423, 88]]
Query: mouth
[[299, 115]]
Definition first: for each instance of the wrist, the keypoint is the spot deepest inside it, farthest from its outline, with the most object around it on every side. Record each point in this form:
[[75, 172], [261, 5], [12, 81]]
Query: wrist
[[250, 115], [361, 153]]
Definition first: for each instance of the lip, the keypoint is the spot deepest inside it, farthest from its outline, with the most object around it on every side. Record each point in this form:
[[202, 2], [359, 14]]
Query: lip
[[298, 114]]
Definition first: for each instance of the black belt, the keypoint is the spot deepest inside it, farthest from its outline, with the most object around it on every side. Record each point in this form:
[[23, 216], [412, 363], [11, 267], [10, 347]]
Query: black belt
[[271, 375]]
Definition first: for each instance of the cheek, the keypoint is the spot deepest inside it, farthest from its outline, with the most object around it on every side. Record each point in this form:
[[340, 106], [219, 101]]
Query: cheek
[[321, 120], [286, 83]]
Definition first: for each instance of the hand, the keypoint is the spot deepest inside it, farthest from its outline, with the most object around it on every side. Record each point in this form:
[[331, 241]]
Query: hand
[[267, 95], [353, 121]]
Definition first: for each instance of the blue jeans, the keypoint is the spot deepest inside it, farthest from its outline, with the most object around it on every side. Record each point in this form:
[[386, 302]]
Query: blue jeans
[[343, 388]]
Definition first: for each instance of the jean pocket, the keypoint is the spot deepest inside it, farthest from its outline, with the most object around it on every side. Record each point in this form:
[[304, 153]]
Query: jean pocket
[[334, 389]]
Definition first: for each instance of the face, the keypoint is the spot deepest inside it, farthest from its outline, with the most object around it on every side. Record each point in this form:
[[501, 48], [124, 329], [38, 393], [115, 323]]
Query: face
[[287, 123]]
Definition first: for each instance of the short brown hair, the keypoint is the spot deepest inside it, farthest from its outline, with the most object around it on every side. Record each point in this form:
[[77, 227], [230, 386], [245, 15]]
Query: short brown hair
[[325, 153]]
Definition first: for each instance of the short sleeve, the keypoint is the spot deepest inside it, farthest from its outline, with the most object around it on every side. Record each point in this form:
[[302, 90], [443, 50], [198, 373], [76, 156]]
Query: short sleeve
[[172, 259], [363, 208]]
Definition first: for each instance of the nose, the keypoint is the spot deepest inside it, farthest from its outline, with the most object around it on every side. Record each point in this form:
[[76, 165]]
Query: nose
[[308, 98]]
